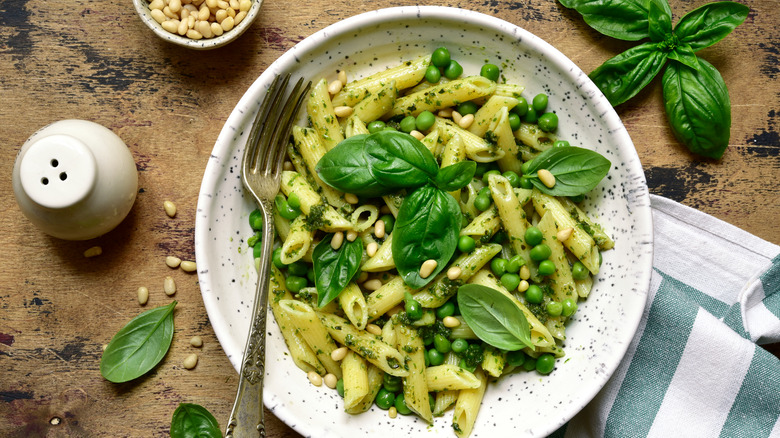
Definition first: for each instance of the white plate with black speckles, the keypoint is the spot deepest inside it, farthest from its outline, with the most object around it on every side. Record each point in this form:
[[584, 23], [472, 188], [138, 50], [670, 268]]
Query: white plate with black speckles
[[521, 404]]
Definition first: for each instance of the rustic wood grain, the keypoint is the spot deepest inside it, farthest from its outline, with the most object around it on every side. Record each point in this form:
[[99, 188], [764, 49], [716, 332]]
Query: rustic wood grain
[[97, 61]]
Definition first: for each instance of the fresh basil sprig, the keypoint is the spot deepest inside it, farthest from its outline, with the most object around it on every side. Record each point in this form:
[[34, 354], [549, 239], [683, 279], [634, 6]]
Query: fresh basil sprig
[[334, 269], [190, 420], [687, 79], [576, 170], [139, 346], [494, 317]]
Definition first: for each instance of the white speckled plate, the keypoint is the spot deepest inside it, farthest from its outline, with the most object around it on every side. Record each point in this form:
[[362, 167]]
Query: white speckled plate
[[525, 404]]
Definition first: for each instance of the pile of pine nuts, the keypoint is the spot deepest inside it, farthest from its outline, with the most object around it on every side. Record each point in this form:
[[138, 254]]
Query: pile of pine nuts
[[197, 19]]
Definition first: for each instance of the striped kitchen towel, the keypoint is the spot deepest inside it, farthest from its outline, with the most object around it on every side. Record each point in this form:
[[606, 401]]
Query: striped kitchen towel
[[695, 367]]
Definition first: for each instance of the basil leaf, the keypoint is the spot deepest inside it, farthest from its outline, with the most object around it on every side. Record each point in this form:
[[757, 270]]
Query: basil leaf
[[334, 269], [698, 108], [139, 346], [191, 420], [399, 160], [659, 21], [621, 19], [456, 176], [684, 54], [577, 171], [494, 317], [426, 227], [710, 23], [623, 76], [346, 168]]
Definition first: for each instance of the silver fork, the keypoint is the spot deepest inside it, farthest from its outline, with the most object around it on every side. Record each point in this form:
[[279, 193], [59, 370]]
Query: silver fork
[[261, 171]]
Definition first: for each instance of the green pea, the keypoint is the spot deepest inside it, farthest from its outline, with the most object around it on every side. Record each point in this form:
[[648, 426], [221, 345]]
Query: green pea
[[295, 283], [510, 281], [466, 244], [569, 307], [545, 363], [427, 358], [256, 220], [514, 178], [561, 144], [284, 208], [432, 74], [579, 271], [440, 57], [546, 267], [442, 344], [294, 201], [384, 399], [533, 236], [254, 239], [515, 263], [540, 252], [413, 309], [526, 183], [500, 237], [299, 269], [376, 126], [490, 71], [389, 221], [498, 266], [488, 173], [529, 364], [540, 102], [257, 251], [521, 108], [435, 357], [460, 345], [340, 387], [531, 116], [466, 108], [392, 383], [482, 203], [548, 122], [515, 358], [554, 308], [484, 191], [389, 128], [514, 121], [276, 257], [446, 309], [425, 120], [481, 169], [408, 124], [524, 167], [400, 405], [534, 294], [453, 70]]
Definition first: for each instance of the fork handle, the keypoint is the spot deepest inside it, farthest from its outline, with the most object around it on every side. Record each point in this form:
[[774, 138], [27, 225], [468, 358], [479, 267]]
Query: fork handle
[[246, 418]]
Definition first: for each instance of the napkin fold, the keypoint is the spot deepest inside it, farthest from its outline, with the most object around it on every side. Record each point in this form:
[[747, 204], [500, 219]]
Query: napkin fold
[[695, 367]]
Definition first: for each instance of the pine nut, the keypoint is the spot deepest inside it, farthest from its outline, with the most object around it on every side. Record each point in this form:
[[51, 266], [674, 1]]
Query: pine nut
[[330, 380], [211, 4], [352, 235], [196, 342], [417, 134], [525, 273], [245, 5], [338, 240], [172, 262], [547, 178], [220, 15], [203, 13], [170, 14], [216, 29], [157, 4], [174, 6], [523, 286], [564, 234], [351, 198], [374, 329], [362, 277], [428, 267], [171, 25], [314, 378], [204, 28], [445, 113], [392, 412], [222, 4], [450, 322], [372, 285], [234, 4], [342, 76], [190, 361], [170, 208], [158, 15], [372, 248], [239, 17], [456, 117], [143, 295], [335, 86], [454, 273], [466, 121], [339, 354], [228, 23], [379, 229], [182, 29], [169, 286], [93, 252], [188, 266], [343, 111], [288, 165]]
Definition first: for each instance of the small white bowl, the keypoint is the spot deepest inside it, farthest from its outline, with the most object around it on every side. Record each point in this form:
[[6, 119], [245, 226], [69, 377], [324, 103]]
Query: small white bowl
[[142, 8]]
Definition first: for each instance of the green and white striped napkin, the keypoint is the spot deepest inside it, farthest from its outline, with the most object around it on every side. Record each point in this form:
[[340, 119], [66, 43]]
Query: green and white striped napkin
[[695, 367]]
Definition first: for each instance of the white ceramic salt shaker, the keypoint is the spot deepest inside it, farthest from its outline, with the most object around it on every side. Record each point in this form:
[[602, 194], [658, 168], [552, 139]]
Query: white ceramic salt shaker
[[75, 179]]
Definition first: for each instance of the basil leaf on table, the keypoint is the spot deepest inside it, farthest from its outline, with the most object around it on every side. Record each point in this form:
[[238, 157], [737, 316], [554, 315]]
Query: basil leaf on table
[[710, 23], [346, 168], [399, 160], [191, 420], [697, 106], [684, 54], [426, 227], [494, 317], [456, 176], [139, 346], [623, 76], [659, 21], [334, 269], [577, 170], [624, 20]]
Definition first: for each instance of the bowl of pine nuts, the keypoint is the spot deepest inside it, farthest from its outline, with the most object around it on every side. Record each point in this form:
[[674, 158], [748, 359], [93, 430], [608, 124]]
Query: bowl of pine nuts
[[198, 24]]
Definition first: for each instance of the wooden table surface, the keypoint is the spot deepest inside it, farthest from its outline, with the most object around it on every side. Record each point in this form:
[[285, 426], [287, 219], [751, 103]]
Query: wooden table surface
[[97, 61]]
